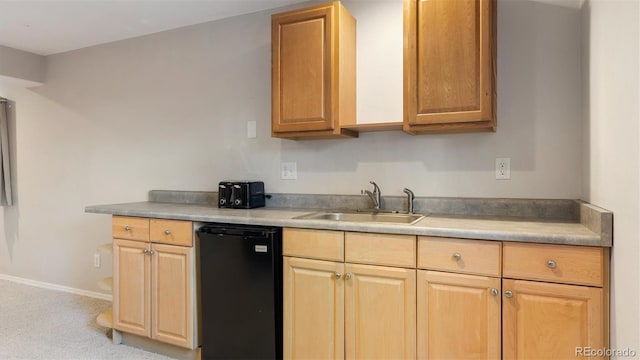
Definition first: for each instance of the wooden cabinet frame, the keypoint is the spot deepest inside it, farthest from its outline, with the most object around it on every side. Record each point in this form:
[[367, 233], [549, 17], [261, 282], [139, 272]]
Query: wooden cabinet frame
[[313, 72], [450, 80], [154, 292]]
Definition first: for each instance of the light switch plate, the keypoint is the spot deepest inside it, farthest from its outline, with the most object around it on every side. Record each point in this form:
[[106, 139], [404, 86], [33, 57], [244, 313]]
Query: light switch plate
[[251, 129], [288, 171]]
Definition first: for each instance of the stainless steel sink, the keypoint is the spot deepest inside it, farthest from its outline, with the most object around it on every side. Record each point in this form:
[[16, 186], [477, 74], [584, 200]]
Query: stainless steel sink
[[387, 218]]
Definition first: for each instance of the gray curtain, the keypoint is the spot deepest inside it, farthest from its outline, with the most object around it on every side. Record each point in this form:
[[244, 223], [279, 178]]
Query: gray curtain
[[5, 172]]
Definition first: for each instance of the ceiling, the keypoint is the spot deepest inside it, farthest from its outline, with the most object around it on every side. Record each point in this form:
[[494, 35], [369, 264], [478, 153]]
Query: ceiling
[[48, 27]]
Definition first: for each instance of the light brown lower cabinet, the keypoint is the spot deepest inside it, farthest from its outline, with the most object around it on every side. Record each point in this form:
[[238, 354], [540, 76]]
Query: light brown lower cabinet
[[152, 291], [333, 309], [441, 299], [154, 288], [550, 321], [313, 309], [380, 312], [458, 316]]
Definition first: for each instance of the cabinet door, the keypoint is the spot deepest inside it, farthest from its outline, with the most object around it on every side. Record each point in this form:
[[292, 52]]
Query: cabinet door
[[131, 287], [549, 321], [380, 312], [172, 294], [458, 316], [313, 309], [302, 51], [449, 64]]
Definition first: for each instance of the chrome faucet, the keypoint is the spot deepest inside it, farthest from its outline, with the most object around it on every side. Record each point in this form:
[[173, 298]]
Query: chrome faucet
[[410, 197], [375, 195]]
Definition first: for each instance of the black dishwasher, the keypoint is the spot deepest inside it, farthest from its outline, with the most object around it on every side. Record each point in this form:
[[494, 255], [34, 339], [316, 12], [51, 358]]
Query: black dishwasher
[[241, 291]]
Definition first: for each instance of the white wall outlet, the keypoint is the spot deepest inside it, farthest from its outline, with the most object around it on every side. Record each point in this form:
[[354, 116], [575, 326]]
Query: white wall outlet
[[288, 171], [96, 260], [503, 168]]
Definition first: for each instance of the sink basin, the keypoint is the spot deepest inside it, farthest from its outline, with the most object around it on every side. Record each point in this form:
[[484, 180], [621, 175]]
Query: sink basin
[[387, 218]]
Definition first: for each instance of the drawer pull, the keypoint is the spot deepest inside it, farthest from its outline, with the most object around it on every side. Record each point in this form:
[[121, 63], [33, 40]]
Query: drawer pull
[[338, 276], [508, 293], [457, 256], [551, 264], [127, 228], [167, 232], [494, 292]]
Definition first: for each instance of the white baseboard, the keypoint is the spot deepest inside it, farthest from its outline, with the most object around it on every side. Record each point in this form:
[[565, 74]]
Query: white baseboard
[[56, 287]]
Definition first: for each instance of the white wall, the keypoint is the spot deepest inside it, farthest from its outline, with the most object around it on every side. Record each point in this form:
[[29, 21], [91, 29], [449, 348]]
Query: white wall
[[611, 93], [169, 111]]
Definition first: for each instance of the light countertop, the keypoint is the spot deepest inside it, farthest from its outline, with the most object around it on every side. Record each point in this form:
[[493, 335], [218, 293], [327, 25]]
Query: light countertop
[[485, 228]]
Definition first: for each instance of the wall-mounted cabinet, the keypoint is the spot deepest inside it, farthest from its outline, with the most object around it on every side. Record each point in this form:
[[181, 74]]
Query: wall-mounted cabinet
[[449, 66], [313, 72]]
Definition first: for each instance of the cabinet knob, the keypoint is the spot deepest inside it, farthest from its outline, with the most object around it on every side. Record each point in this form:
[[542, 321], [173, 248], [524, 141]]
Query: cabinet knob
[[551, 264], [151, 252], [348, 276], [167, 232], [494, 292], [145, 251], [127, 228], [508, 293], [338, 276], [457, 256]]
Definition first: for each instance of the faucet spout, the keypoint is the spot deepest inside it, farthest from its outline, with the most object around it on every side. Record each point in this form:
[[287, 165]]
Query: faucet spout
[[374, 196], [410, 197]]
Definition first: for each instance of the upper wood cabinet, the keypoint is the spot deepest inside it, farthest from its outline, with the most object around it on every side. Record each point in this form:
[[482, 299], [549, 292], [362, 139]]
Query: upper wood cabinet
[[313, 72], [449, 66]]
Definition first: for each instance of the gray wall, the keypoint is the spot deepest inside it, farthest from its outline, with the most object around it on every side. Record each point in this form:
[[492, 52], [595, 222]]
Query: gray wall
[[20, 66], [169, 111]]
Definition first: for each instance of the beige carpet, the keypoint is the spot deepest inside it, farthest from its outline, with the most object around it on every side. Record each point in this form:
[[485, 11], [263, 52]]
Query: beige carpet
[[37, 323]]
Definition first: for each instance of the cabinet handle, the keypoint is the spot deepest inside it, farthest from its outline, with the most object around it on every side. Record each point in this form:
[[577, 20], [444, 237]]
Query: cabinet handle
[[551, 264], [508, 293], [167, 232], [127, 228], [152, 252], [457, 256], [338, 276], [348, 276], [145, 251], [494, 292]]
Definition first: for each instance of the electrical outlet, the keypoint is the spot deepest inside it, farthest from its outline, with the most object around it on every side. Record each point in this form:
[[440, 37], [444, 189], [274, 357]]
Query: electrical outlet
[[288, 171], [503, 168], [96, 260]]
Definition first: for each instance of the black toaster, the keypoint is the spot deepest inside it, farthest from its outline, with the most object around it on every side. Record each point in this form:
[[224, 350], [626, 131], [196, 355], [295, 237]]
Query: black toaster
[[241, 194]]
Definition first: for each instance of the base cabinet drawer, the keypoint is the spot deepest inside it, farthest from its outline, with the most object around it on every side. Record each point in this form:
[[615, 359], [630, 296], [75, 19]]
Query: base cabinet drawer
[[460, 255], [130, 228], [555, 263]]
